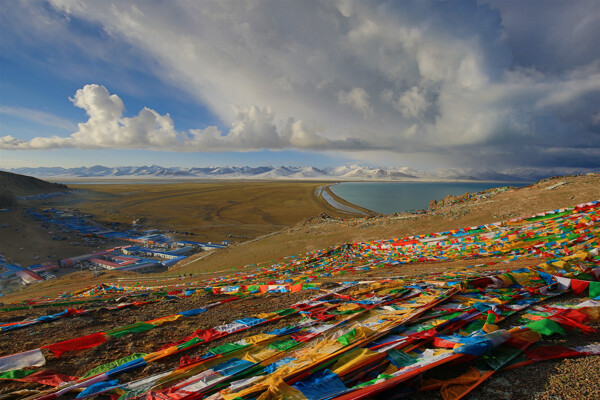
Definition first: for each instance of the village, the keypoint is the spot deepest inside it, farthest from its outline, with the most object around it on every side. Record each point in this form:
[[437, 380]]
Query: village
[[120, 248]]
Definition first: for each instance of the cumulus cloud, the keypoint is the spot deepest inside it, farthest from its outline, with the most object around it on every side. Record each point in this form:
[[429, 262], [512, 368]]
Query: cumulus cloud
[[252, 129], [471, 81]]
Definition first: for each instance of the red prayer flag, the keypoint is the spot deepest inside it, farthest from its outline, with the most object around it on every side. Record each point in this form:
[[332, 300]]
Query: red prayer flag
[[80, 343], [439, 342], [49, 378], [303, 337], [579, 286], [551, 352], [204, 334], [575, 315], [230, 299], [296, 288]]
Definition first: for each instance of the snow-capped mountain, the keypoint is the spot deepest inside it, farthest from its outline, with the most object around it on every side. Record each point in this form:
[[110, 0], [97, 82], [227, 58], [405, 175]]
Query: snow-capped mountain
[[341, 173]]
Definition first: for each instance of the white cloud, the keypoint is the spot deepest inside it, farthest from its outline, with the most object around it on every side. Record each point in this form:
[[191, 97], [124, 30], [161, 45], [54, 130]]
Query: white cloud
[[423, 77], [253, 128], [358, 99], [412, 103]]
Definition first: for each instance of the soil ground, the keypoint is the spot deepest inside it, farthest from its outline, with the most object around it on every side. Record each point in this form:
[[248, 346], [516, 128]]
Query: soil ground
[[559, 379], [26, 242], [555, 379]]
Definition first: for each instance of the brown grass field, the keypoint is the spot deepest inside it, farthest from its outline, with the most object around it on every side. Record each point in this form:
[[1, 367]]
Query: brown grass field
[[211, 211]]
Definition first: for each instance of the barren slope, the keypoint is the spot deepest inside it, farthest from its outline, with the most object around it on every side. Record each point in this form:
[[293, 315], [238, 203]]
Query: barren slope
[[317, 233]]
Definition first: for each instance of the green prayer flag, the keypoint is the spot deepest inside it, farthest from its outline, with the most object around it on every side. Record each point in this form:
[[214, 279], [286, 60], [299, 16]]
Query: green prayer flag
[[584, 276], [500, 356], [400, 359], [227, 348], [133, 328], [347, 338], [423, 327], [189, 343], [108, 366], [286, 311], [282, 345], [448, 317], [372, 381], [546, 327], [474, 326], [308, 285], [15, 374], [594, 289], [491, 318]]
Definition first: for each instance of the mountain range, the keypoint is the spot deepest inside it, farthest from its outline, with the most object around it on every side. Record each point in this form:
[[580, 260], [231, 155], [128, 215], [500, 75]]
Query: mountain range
[[341, 173]]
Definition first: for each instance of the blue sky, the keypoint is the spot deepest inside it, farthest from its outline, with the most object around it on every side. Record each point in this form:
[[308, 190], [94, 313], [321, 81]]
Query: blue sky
[[425, 84]]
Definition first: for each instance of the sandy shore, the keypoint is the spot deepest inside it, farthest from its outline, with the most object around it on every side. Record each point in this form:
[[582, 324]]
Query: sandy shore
[[346, 206]]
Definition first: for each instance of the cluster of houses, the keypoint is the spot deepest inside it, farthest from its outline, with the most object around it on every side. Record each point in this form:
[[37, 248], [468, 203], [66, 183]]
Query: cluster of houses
[[13, 275], [46, 196], [80, 224], [123, 258], [150, 253], [132, 249], [85, 226], [129, 258], [139, 251]]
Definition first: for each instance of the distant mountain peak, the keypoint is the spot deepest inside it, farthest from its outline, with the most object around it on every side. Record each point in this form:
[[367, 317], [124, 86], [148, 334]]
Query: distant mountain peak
[[352, 172]]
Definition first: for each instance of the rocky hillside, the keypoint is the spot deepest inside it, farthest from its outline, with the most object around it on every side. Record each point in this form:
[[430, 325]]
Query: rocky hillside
[[22, 185]]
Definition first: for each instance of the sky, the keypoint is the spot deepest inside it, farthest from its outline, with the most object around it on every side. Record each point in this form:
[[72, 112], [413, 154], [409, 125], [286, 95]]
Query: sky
[[425, 84]]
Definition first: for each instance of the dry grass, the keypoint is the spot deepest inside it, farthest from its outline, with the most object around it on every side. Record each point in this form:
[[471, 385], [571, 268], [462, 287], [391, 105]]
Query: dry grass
[[212, 211]]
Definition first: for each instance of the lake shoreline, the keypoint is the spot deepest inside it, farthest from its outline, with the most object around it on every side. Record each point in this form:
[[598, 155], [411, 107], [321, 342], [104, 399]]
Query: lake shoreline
[[346, 206], [399, 197]]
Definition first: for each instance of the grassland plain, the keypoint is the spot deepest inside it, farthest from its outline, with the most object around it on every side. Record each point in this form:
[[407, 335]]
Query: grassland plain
[[211, 211]]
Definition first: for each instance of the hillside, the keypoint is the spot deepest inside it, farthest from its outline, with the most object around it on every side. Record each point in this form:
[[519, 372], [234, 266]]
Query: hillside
[[320, 232], [451, 213], [486, 301], [22, 185]]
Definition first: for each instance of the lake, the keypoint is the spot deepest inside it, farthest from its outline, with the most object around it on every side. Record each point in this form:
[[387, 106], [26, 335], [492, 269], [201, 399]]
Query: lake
[[391, 197]]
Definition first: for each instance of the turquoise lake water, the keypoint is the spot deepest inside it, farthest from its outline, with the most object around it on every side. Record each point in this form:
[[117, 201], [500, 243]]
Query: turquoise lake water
[[391, 197]]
